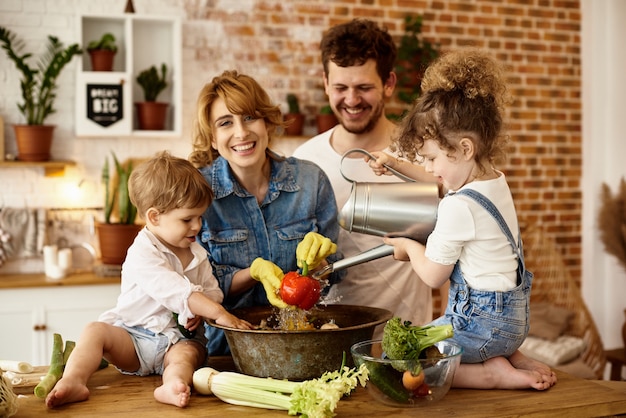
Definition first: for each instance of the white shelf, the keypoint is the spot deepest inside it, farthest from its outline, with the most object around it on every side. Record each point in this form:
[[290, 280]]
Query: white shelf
[[105, 101]]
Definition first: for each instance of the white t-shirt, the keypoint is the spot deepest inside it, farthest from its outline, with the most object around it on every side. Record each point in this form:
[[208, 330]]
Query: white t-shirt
[[154, 285], [466, 232], [383, 283]]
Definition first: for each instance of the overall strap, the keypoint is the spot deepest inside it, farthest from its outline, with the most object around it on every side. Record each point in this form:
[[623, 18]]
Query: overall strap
[[482, 200]]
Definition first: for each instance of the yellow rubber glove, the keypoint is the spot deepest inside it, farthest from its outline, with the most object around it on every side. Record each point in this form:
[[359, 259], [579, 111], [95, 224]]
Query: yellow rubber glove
[[314, 248], [270, 275]]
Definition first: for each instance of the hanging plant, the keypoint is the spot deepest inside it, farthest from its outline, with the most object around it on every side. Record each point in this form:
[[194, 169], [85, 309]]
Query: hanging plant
[[612, 222], [414, 56]]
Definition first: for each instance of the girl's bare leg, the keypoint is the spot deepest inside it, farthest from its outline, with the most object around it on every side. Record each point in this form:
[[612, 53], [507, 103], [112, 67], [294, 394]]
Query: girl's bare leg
[[181, 361], [96, 340]]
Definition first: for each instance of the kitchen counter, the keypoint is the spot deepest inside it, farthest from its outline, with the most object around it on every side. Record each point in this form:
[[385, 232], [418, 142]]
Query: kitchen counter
[[117, 395], [16, 281]]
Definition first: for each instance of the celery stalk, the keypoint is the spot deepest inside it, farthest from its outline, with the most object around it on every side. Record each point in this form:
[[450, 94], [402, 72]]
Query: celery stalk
[[313, 398]]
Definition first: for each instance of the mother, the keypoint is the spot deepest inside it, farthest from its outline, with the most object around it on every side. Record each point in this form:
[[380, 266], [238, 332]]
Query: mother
[[264, 204]]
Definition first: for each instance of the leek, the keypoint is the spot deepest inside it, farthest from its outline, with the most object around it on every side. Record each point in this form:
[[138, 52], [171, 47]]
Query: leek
[[316, 398], [55, 371]]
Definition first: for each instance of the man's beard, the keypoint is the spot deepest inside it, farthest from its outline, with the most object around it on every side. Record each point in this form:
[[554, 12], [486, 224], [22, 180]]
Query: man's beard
[[369, 126]]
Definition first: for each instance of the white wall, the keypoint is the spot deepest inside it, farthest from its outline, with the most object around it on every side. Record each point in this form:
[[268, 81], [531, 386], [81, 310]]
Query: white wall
[[604, 149]]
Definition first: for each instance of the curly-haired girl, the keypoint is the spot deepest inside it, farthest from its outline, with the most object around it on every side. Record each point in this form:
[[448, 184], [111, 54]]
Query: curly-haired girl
[[454, 131]]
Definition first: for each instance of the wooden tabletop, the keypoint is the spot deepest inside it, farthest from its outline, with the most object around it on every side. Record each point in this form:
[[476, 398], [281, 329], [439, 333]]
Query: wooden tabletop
[[117, 395]]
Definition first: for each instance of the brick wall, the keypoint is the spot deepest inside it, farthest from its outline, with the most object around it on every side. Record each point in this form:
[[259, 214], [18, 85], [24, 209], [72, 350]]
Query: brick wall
[[539, 40], [277, 42]]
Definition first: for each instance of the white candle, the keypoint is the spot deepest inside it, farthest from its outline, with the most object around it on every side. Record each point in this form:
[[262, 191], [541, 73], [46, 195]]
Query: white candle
[[65, 259], [50, 256]]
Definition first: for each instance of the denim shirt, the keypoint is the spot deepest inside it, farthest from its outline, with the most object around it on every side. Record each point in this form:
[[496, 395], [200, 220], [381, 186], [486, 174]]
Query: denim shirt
[[236, 229]]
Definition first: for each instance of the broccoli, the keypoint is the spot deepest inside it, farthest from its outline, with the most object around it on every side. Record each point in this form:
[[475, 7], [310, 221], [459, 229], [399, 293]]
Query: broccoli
[[402, 341]]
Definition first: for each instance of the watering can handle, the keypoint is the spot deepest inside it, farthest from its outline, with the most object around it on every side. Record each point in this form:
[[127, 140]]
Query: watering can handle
[[364, 152]]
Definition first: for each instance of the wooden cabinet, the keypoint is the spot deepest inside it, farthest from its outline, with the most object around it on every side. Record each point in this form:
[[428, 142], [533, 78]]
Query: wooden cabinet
[[105, 101], [29, 317]]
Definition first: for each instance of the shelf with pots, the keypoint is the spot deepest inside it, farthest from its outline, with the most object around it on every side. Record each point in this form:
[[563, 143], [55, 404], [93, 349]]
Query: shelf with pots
[[106, 100]]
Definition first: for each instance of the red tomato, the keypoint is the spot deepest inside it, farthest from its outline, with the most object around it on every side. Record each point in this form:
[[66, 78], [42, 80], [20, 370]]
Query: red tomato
[[300, 291], [422, 390]]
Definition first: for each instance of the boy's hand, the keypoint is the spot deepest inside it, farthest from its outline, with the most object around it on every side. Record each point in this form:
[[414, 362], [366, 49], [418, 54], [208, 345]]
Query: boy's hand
[[194, 323], [229, 320], [313, 249]]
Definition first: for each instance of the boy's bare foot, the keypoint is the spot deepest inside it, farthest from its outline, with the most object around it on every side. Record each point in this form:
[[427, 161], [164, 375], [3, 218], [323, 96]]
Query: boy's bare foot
[[67, 391], [174, 393]]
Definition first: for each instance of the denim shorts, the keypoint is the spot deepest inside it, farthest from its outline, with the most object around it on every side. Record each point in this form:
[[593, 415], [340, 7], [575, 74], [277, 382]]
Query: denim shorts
[[487, 324], [151, 349]]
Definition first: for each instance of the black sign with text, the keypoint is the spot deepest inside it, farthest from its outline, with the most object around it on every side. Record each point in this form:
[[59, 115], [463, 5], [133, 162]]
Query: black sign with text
[[105, 104]]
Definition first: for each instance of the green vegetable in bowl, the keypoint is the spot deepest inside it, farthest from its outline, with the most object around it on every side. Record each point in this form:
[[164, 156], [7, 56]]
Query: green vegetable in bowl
[[402, 341]]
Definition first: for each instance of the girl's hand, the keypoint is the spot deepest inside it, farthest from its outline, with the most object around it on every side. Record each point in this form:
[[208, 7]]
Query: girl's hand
[[377, 165], [401, 247]]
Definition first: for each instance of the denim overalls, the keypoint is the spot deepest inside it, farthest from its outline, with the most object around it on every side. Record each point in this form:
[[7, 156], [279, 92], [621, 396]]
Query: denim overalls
[[488, 323]]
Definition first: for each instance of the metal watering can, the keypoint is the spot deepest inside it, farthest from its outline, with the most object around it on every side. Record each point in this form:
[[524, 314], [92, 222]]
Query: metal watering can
[[406, 209]]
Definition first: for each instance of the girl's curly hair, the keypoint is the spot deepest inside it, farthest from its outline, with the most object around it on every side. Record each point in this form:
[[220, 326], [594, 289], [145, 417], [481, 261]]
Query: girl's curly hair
[[463, 95]]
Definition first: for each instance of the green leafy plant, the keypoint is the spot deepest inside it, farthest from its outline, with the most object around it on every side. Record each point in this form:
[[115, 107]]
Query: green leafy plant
[[116, 192], [292, 103], [106, 43], [38, 84], [326, 110], [151, 83], [414, 56]]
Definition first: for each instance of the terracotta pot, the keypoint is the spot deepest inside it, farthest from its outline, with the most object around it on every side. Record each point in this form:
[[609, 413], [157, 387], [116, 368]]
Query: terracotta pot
[[33, 142], [101, 59], [325, 122], [296, 125], [114, 240], [624, 330], [151, 115]]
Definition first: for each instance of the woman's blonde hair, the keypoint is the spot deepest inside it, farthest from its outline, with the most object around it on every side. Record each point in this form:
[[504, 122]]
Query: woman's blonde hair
[[165, 182], [463, 95], [243, 95]]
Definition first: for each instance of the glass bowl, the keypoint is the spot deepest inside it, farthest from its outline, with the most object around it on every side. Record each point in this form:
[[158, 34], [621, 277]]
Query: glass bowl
[[385, 381]]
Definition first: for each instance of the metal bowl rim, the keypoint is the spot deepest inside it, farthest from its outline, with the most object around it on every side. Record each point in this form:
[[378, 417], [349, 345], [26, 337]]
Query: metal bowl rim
[[386, 316]]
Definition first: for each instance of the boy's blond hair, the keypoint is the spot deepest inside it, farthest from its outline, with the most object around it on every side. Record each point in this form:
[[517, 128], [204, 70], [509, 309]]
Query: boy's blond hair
[[165, 182]]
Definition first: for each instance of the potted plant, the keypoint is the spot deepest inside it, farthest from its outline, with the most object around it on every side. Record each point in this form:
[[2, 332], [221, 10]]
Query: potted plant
[[326, 119], [38, 92], [293, 117], [115, 237], [102, 52], [414, 56], [152, 114]]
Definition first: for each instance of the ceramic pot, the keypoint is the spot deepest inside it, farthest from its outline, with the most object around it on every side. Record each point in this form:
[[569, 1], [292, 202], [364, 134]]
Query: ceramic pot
[[101, 59], [296, 124], [624, 330], [33, 142], [114, 240], [151, 115], [325, 122]]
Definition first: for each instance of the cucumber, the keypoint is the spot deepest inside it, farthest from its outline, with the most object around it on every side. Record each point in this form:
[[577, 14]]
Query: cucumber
[[388, 380]]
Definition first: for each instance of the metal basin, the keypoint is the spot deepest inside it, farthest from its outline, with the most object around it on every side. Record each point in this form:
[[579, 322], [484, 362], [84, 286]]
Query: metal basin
[[300, 355]]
